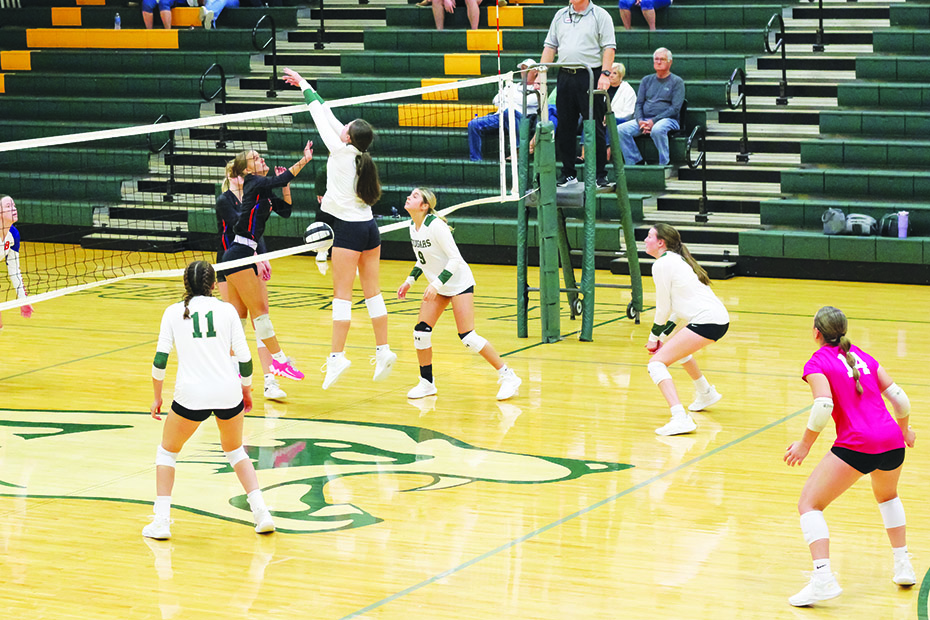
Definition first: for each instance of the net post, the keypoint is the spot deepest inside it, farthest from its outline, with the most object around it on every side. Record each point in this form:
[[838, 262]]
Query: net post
[[590, 211], [547, 230], [522, 230], [626, 217]]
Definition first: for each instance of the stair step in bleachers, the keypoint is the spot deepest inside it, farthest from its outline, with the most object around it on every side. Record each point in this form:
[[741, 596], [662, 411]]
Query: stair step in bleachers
[[867, 152]]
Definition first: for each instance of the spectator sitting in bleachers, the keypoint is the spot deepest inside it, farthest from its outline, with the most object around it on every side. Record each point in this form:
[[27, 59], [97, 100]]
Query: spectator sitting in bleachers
[[658, 105], [441, 7], [164, 9], [649, 11], [510, 98], [622, 96], [211, 10]]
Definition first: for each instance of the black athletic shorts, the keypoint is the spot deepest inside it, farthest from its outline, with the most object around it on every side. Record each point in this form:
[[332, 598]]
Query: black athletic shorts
[[356, 236], [199, 415], [711, 331], [867, 463], [237, 250], [470, 289], [220, 275]]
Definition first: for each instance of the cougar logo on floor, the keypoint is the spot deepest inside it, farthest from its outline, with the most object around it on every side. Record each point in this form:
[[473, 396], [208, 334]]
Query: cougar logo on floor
[[106, 456]]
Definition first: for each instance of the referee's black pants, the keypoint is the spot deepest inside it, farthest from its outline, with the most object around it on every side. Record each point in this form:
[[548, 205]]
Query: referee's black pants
[[571, 101]]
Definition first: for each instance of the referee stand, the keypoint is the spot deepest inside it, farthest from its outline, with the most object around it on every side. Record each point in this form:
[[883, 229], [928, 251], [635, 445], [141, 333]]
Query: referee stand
[[552, 236]]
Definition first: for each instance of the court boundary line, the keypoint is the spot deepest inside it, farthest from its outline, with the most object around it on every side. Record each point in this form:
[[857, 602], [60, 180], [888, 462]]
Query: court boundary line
[[565, 519]]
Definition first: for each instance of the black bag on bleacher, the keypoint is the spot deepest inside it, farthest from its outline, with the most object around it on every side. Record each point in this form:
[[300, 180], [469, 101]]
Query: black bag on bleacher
[[888, 227]]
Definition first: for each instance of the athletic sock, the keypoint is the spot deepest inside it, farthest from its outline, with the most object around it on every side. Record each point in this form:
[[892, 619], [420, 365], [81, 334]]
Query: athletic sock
[[702, 385], [822, 565], [502, 369], [382, 347], [279, 357], [678, 411], [256, 501], [163, 506], [427, 372], [899, 552]]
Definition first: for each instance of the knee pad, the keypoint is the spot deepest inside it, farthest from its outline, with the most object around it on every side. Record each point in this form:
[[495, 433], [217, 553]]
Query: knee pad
[[163, 457], [472, 341], [263, 327], [658, 371], [258, 342], [342, 310], [686, 359], [422, 336], [236, 455], [376, 307], [814, 526], [892, 513]]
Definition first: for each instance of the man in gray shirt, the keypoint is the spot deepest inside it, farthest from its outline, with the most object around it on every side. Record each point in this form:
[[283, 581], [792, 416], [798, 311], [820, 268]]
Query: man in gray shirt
[[658, 104], [583, 34]]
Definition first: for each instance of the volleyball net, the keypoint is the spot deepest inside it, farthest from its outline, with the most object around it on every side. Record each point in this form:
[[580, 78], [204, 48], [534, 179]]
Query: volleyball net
[[95, 207]]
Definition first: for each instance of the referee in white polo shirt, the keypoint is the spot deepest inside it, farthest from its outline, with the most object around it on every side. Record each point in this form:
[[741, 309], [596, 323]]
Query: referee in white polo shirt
[[583, 34]]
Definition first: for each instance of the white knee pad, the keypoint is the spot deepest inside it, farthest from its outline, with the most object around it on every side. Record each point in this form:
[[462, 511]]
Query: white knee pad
[[422, 339], [686, 359], [263, 327], [376, 307], [474, 342], [814, 526], [892, 513], [236, 455], [658, 371], [163, 457], [342, 310], [259, 343]]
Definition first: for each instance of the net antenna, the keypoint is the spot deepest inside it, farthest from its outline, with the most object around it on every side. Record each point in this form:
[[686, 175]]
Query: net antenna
[[91, 203]]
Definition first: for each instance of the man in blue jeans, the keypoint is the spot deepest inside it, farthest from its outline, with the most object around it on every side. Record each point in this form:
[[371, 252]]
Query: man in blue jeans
[[510, 98], [658, 104]]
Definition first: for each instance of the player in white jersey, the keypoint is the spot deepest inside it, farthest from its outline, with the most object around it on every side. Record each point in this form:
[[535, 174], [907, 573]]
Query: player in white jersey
[[204, 330], [682, 292], [352, 186], [8, 217], [450, 281]]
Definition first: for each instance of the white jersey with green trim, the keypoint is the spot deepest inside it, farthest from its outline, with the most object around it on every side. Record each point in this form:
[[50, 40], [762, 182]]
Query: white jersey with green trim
[[207, 376], [439, 258]]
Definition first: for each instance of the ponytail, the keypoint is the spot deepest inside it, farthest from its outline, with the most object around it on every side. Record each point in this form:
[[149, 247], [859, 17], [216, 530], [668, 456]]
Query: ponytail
[[429, 197], [831, 323], [672, 239], [229, 173], [368, 184]]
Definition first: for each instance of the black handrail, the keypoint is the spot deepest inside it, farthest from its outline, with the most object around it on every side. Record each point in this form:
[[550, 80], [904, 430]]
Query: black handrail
[[272, 92], [780, 43], [743, 155], [221, 92], [321, 31], [818, 36], [169, 158], [697, 139]]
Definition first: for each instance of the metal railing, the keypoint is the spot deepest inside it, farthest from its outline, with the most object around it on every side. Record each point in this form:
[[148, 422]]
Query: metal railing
[[273, 41], [779, 44], [219, 92], [169, 157], [696, 140], [818, 36], [743, 155]]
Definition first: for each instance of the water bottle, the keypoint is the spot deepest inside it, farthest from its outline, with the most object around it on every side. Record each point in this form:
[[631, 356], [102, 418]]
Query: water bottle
[[395, 213], [902, 224], [116, 22]]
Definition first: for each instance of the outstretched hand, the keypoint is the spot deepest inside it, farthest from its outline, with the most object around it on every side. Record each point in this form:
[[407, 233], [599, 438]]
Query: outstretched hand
[[25, 311], [308, 150], [796, 453], [292, 77]]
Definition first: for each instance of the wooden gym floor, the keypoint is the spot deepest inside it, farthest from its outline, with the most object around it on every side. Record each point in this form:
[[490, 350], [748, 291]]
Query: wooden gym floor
[[560, 503]]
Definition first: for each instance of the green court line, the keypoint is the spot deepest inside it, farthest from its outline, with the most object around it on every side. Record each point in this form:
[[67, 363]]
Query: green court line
[[567, 518], [80, 359], [922, 597]]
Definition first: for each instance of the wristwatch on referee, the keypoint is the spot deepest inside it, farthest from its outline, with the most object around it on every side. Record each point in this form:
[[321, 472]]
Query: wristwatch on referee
[[607, 73]]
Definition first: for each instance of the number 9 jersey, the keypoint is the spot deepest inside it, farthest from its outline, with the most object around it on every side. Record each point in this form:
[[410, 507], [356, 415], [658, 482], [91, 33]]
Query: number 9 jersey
[[207, 377], [439, 258]]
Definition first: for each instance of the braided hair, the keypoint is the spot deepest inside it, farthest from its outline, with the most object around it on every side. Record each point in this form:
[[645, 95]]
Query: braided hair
[[672, 239], [198, 281], [831, 323]]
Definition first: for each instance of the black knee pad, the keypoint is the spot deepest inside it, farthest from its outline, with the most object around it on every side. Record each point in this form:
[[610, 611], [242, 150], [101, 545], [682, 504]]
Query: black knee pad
[[422, 326]]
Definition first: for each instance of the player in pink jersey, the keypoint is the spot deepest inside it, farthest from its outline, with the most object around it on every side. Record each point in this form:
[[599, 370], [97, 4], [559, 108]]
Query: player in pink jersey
[[848, 384]]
